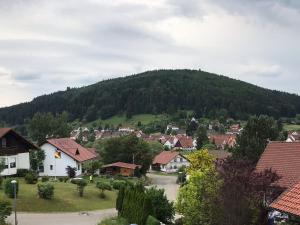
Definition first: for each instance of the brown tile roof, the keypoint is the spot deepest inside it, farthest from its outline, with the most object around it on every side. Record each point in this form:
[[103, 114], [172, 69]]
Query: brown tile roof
[[70, 147], [4, 131], [284, 159], [185, 142], [122, 165], [220, 154], [289, 201], [223, 139], [165, 157]]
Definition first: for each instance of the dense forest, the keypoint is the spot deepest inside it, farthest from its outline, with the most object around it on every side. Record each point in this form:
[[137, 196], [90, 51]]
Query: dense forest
[[160, 91]]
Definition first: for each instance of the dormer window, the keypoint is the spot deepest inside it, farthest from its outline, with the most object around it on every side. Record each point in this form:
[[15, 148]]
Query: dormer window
[[3, 142]]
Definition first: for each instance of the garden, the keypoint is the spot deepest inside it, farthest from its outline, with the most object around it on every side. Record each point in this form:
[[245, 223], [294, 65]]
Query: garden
[[63, 194]]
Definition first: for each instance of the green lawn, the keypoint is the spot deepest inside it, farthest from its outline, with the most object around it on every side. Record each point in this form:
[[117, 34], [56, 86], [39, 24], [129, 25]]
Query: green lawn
[[65, 199], [291, 127], [121, 119]]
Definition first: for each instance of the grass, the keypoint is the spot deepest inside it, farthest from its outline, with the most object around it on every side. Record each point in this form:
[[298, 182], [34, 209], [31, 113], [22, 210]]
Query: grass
[[145, 119], [291, 127], [65, 199]]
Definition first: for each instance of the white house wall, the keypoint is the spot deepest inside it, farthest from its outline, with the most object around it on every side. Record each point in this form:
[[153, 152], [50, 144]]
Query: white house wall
[[175, 164], [21, 161], [59, 165]]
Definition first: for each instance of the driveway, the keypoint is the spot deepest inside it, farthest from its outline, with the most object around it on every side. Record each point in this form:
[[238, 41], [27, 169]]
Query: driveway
[[79, 218], [165, 182]]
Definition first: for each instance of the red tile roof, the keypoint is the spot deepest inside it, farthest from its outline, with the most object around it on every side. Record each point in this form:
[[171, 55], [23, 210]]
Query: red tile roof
[[165, 157], [122, 165], [284, 159], [289, 201], [70, 147]]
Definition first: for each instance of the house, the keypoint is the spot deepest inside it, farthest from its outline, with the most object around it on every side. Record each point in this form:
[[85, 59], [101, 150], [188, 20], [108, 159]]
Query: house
[[289, 203], [293, 136], [14, 149], [61, 153], [169, 161], [235, 129], [184, 143], [223, 141], [121, 168], [284, 159]]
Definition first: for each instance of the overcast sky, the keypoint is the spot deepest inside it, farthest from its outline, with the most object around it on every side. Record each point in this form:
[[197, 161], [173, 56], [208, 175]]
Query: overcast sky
[[46, 46]]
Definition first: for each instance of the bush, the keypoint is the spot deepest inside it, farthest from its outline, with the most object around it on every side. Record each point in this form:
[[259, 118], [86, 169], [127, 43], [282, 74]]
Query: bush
[[1, 182], [31, 177], [5, 211], [9, 188], [152, 221], [117, 184], [22, 172], [114, 221], [163, 210], [81, 183], [103, 186], [71, 171], [45, 190], [45, 179]]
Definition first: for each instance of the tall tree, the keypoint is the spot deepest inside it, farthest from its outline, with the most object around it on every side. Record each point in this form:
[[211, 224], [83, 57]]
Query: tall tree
[[44, 125], [201, 137], [129, 149], [255, 136], [244, 192], [197, 200]]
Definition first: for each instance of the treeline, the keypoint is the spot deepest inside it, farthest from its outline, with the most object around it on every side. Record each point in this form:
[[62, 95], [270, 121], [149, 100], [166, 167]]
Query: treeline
[[161, 91]]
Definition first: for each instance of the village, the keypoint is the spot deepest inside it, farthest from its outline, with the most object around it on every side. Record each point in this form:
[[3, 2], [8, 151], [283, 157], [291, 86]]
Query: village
[[59, 163]]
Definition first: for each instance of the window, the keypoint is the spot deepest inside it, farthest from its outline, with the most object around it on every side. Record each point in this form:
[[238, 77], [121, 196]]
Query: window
[[51, 167], [3, 142], [41, 168], [175, 160], [12, 165], [181, 159], [78, 166]]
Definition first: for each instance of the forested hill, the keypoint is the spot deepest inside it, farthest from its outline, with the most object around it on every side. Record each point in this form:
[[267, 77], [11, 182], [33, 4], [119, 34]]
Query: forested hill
[[157, 92]]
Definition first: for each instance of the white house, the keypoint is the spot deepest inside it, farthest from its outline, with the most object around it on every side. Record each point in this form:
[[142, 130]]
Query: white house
[[169, 161], [61, 153], [14, 150]]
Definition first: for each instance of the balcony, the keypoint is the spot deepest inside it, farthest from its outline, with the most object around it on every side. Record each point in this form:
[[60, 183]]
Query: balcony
[[9, 151]]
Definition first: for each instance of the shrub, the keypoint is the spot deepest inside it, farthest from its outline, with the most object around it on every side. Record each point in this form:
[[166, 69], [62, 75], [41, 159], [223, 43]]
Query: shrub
[[114, 221], [152, 221], [103, 186], [5, 211], [163, 210], [1, 182], [136, 206], [81, 183], [45, 190], [45, 179], [31, 177], [9, 188], [117, 184], [71, 171], [22, 172]]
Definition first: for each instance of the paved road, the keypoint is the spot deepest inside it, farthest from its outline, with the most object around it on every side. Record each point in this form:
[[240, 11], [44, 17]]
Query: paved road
[[166, 182], [91, 218]]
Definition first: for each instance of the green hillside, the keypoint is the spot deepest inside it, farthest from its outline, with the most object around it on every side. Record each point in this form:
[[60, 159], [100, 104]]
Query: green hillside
[[159, 92]]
